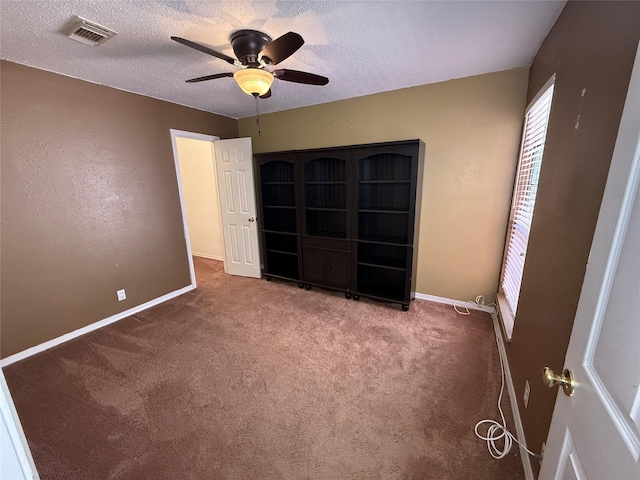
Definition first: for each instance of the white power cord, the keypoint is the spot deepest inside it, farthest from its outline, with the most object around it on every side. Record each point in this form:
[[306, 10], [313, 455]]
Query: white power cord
[[479, 302], [496, 431]]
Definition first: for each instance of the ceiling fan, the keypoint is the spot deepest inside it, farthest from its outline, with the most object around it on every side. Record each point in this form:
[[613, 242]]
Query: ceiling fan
[[255, 51]]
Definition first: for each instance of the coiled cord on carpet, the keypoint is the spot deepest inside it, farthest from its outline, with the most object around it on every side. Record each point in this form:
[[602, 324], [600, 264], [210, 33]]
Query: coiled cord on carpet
[[496, 431]]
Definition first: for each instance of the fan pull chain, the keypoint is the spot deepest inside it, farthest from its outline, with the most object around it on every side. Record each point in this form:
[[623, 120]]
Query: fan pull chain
[[258, 116]]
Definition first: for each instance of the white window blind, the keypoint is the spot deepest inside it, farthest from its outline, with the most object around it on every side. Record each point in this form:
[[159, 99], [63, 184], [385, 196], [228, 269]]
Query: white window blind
[[524, 196]]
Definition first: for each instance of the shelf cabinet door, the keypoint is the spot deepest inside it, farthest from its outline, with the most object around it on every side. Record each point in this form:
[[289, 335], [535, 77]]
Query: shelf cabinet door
[[338, 266], [328, 268], [313, 261], [325, 192]]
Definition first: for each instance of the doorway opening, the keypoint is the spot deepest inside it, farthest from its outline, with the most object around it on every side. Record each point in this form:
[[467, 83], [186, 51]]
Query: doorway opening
[[224, 189], [194, 157]]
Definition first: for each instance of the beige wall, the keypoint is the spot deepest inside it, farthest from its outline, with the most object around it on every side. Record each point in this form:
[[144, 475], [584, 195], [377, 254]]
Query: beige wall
[[200, 192], [90, 202], [471, 128]]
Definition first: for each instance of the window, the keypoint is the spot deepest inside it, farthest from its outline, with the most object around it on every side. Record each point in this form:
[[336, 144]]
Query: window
[[524, 198]]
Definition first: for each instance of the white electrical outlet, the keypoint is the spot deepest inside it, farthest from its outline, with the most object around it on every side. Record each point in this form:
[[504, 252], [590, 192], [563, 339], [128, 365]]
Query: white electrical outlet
[[121, 295], [527, 391]]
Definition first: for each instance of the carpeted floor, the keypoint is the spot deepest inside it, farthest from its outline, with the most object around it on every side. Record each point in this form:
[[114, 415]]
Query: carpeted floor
[[248, 379]]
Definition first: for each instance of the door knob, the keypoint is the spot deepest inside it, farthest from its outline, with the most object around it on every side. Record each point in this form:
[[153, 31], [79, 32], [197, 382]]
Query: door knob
[[566, 380], [252, 219]]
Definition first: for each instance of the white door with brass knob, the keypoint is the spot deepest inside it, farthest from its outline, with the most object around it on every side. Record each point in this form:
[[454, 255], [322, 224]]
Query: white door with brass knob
[[595, 431], [234, 166]]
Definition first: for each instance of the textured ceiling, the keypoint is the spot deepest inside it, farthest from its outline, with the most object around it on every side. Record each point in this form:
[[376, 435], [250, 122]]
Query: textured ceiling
[[363, 47]]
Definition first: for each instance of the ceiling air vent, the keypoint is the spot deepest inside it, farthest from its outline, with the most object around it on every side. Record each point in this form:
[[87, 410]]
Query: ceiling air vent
[[87, 32]]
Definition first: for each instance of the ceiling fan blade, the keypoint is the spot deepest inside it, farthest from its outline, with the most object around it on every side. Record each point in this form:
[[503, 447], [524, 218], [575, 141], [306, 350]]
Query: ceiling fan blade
[[205, 49], [300, 77], [209, 77], [266, 95], [282, 47]]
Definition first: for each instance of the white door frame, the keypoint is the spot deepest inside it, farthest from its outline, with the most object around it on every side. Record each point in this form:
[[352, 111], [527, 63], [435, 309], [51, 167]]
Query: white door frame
[[207, 138], [13, 443]]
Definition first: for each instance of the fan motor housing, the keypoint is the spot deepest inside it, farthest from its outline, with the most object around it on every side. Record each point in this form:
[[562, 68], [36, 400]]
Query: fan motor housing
[[247, 44]]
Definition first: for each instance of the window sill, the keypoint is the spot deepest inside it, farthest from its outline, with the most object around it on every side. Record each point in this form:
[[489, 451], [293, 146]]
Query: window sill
[[507, 319]]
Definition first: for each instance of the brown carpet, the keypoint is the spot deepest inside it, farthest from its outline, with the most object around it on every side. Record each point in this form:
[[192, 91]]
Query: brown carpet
[[248, 379]]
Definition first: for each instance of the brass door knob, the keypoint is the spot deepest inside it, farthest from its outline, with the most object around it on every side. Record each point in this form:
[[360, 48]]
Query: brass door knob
[[566, 380], [252, 219]]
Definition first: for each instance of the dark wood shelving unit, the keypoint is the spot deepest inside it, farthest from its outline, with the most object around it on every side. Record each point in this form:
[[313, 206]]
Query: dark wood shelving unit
[[350, 216], [279, 224], [326, 198], [385, 217]]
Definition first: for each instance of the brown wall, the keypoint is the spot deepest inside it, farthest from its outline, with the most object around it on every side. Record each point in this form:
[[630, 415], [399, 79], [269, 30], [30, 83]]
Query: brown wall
[[592, 46], [471, 128], [89, 202]]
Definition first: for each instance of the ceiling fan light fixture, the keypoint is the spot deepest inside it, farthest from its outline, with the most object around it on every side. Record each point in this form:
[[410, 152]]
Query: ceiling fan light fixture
[[254, 81]]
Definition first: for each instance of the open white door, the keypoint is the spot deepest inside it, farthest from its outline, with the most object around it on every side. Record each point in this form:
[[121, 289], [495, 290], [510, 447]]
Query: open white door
[[595, 433], [16, 462], [234, 166]]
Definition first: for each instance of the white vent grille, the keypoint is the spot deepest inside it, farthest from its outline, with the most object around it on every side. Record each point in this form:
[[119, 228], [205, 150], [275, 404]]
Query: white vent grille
[[87, 32]]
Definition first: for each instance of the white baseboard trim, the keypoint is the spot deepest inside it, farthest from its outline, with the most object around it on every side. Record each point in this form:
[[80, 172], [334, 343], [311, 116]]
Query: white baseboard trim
[[526, 459], [459, 303], [91, 327], [206, 255]]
